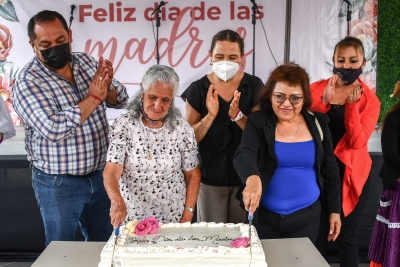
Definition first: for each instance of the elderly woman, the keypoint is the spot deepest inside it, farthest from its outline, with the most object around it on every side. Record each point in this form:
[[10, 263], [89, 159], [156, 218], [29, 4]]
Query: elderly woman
[[286, 161], [152, 160]]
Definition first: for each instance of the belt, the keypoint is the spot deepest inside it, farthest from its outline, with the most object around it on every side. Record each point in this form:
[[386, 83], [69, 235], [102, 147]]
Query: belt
[[65, 174]]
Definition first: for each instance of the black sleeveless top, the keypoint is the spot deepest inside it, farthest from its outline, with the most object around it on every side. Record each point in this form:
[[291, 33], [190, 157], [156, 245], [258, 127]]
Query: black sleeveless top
[[337, 128], [218, 146]]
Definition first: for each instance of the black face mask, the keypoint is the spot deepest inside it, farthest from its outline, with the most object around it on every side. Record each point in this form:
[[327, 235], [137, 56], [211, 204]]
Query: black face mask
[[56, 57], [347, 76]]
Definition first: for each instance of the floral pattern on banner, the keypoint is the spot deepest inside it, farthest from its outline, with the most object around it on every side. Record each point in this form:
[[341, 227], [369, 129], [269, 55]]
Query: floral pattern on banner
[[365, 28], [7, 73]]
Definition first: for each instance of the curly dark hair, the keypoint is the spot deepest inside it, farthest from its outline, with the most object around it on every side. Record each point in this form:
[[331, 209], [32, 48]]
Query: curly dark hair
[[291, 74]]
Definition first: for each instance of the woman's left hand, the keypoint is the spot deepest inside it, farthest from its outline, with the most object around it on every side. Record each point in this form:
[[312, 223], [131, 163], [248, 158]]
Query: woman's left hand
[[252, 193], [187, 216], [234, 107], [355, 93], [334, 226]]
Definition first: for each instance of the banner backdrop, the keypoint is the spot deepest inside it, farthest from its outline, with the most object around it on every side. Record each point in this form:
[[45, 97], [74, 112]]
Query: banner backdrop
[[122, 31], [318, 25]]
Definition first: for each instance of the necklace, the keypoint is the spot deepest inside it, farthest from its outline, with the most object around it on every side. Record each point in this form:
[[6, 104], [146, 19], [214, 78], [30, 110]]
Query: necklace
[[147, 117], [292, 136], [152, 133], [149, 149]]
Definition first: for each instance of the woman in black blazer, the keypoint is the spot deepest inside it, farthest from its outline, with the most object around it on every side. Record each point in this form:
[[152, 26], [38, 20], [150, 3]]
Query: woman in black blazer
[[286, 161]]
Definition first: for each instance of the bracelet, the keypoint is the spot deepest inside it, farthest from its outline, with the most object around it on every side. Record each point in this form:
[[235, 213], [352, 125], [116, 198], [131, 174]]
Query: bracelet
[[237, 113], [238, 116], [202, 124], [96, 97], [190, 209]]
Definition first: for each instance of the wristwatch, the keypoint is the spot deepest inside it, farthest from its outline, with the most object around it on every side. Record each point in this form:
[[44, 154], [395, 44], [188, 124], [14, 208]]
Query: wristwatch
[[189, 209]]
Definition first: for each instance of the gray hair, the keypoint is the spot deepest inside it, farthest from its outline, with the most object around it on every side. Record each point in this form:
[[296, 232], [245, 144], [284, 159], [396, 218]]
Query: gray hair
[[160, 73], [170, 120]]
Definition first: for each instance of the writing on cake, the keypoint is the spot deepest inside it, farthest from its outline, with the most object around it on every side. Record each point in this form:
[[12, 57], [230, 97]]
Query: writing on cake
[[140, 240]]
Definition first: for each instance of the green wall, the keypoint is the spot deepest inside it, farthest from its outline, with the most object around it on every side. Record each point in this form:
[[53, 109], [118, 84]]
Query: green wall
[[388, 65]]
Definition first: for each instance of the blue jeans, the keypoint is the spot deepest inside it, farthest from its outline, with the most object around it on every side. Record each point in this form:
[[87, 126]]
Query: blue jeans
[[66, 200]]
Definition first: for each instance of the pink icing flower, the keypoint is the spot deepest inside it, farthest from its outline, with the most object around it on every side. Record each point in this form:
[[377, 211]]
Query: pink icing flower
[[240, 242], [147, 226], [154, 224]]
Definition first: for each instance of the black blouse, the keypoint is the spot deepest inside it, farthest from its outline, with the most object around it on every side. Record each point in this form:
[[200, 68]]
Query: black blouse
[[218, 146], [338, 129]]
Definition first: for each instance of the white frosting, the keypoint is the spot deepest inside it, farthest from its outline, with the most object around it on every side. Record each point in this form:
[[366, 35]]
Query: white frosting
[[174, 244]]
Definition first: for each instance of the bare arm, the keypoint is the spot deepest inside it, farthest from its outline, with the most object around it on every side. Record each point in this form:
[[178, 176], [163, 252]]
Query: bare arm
[[200, 127], [111, 175], [192, 180], [193, 117]]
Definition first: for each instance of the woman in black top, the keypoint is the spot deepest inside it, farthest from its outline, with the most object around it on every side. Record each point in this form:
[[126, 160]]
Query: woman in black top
[[384, 248], [217, 106], [286, 161]]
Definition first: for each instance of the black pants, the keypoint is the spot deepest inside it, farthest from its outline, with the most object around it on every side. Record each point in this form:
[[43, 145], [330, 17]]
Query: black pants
[[347, 240], [301, 223]]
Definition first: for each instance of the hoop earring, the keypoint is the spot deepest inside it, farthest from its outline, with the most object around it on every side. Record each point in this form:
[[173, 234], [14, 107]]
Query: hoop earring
[[241, 64], [211, 63]]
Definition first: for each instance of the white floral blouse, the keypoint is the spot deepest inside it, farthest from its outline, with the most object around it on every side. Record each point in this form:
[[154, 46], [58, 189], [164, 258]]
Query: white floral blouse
[[152, 181]]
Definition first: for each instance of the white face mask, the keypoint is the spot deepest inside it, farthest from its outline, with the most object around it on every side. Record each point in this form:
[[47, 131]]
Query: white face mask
[[225, 70]]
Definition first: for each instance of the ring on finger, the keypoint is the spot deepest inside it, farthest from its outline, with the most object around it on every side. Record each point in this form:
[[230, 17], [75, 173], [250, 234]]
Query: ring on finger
[[101, 78]]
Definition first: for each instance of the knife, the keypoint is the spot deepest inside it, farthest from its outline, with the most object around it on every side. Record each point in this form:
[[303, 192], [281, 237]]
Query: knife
[[116, 233], [250, 218]]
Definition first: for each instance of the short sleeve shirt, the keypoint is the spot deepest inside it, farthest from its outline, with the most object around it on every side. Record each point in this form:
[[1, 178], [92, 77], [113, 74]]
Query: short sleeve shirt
[[153, 185], [217, 148]]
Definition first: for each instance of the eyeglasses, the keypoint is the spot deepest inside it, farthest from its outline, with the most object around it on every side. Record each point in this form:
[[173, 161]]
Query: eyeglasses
[[293, 99]]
